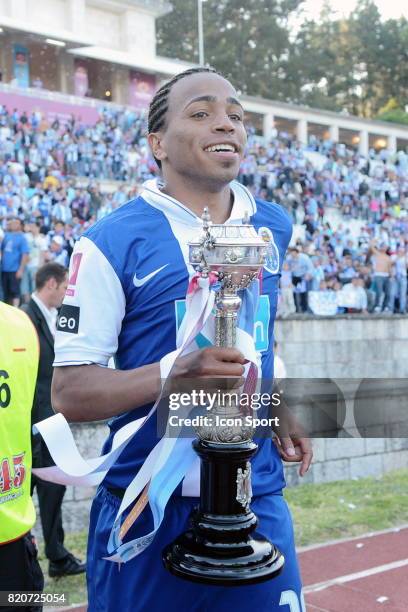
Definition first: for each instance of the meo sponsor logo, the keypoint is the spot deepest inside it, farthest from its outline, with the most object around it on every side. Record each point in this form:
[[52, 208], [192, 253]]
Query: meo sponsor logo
[[68, 320]]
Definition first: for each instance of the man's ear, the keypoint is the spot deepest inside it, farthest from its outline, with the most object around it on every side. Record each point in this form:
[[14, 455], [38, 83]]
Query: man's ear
[[52, 283], [155, 142]]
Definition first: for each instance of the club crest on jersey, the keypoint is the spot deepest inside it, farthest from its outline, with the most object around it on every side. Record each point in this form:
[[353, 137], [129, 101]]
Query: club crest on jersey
[[272, 254]]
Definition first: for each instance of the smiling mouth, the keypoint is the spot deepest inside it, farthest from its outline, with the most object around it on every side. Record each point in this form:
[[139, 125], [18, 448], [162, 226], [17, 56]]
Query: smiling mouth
[[221, 148]]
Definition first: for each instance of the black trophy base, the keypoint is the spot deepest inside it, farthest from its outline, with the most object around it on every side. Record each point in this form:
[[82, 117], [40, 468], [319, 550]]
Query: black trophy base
[[220, 548], [253, 561]]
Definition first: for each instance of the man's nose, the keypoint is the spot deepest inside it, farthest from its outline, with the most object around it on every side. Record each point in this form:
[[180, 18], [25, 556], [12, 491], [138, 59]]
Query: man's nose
[[224, 124]]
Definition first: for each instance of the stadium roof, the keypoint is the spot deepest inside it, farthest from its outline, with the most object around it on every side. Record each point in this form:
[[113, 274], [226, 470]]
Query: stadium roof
[[68, 36], [156, 7], [162, 65]]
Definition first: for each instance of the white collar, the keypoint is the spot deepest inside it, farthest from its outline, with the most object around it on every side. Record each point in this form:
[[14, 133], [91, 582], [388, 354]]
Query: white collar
[[243, 203], [50, 314]]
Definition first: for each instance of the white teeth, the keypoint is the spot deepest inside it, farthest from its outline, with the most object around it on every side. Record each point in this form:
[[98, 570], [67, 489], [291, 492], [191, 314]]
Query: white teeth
[[220, 147]]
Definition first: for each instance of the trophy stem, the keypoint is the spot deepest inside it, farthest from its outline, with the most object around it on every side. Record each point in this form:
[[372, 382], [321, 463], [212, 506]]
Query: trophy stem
[[228, 305]]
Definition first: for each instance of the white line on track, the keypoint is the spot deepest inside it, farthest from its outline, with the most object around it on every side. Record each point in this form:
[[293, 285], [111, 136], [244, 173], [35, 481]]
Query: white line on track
[[320, 586], [370, 534]]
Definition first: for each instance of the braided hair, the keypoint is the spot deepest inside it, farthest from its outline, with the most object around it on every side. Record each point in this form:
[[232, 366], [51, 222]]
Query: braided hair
[[159, 105]]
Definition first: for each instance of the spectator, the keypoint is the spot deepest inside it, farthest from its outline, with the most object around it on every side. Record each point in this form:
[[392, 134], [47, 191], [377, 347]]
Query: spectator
[[356, 295], [57, 253], [286, 304], [382, 265], [37, 244], [15, 255], [400, 266], [302, 273]]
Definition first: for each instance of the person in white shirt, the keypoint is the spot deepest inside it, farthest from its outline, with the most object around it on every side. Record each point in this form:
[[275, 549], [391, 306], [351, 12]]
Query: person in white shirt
[[37, 244], [57, 252], [356, 295]]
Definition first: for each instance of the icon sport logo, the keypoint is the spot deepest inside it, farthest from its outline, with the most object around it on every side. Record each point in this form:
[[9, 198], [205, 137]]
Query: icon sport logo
[[272, 259]]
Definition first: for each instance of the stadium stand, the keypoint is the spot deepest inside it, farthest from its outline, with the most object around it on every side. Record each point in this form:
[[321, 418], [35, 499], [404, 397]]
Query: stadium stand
[[349, 249]]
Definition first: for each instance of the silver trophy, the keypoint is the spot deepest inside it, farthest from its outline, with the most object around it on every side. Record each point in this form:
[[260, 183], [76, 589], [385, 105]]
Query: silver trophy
[[221, 548], [236, 254]]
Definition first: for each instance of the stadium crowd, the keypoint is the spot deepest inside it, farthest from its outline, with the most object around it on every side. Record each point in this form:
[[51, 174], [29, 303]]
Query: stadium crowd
[[50, 193]]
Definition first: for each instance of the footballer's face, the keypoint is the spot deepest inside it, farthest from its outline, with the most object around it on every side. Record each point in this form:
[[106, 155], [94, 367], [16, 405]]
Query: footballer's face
[[204, 137]]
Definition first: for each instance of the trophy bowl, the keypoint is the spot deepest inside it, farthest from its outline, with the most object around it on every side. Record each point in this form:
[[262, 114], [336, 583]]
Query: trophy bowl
[[234, 252]]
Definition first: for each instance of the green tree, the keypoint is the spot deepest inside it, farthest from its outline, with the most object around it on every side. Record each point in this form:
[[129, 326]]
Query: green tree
[[394, 60], [324, 64], [393, 112], [366, 34], [247, 41], [354, 65]]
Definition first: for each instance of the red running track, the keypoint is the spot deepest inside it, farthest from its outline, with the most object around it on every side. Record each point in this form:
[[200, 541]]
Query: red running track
[[365, 574]]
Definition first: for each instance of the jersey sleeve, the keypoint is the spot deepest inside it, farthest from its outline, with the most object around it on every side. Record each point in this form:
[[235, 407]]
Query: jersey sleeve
[[91, 316]]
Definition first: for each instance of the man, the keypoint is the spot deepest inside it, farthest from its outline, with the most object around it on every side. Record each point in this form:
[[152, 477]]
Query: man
[[128, 281], [51, 284], [19, 567], [286, 304], [14, 258], [302, 274], [382, 267], [400, 265], [354, 297], [347, 270], [57, 252], [37, 244]]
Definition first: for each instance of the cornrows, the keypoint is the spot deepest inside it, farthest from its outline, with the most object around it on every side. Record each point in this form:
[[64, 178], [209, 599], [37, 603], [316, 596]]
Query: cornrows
[[160, 102]]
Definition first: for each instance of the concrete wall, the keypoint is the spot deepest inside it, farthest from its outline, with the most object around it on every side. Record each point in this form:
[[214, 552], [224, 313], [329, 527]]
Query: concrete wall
[[347, 349], [347, 346]]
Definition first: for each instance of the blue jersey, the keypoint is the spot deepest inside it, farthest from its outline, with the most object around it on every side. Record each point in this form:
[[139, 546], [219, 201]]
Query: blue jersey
[[126, 298], [13, 247]]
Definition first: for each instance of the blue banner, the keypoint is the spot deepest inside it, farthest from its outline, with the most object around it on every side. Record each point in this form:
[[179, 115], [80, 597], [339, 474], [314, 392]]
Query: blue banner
[[21, 67]]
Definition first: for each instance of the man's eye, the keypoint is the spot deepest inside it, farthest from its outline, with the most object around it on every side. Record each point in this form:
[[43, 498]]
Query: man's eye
[[236, 117], [200, 114]]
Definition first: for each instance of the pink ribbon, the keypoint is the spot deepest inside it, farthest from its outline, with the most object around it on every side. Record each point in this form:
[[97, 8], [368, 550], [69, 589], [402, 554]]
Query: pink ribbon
[[194, 284]]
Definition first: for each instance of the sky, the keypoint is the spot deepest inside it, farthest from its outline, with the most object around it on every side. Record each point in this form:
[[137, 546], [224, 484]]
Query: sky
[[388, 8]]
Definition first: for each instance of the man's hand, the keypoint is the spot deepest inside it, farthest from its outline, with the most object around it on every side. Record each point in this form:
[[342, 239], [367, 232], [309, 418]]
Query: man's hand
[[209, 362], [212, 368], [291, 440], [19, 274]]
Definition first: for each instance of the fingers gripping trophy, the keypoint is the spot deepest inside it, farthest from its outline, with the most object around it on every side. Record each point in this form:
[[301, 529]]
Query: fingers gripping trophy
[[221, 548]]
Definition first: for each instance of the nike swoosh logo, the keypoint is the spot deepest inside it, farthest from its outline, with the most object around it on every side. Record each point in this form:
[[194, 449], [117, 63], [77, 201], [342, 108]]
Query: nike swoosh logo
[[139, 282]]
